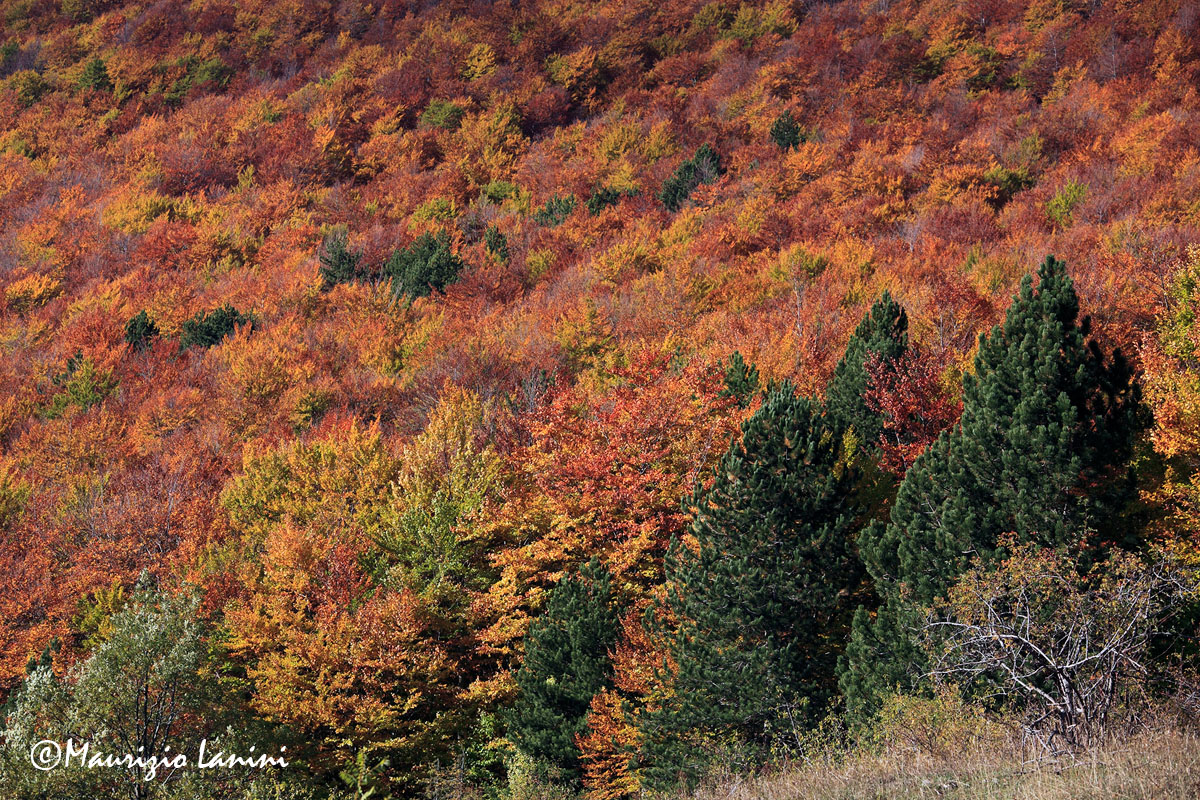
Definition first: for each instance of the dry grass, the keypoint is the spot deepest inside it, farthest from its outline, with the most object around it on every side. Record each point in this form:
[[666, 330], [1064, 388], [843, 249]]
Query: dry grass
[[1159, 765]]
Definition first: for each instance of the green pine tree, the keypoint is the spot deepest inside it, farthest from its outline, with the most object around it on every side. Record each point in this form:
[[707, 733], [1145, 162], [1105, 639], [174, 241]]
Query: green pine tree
[[761, 600], [703, 167], [741, 380], [883, 332], [566, 664], [339, 264], [140, 330], [208, 329], [785, 132], [95, 76], [1042, 450], [425, 266], [496, 243]]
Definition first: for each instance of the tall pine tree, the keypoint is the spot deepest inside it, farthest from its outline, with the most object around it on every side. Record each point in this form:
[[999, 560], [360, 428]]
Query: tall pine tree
[[759, 601], [1042, 450], [566, 664], [882, 332]]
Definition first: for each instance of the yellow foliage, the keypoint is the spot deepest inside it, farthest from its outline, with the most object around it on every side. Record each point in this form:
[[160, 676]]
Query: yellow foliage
[[658, 143], [31, 291], [636, 256], [481, 62], [1140, 143], [490, 143], [133, 213], [620, 137]]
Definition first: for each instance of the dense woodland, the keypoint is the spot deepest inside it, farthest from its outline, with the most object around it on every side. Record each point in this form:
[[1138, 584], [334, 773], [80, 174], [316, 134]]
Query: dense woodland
[[553, 399]]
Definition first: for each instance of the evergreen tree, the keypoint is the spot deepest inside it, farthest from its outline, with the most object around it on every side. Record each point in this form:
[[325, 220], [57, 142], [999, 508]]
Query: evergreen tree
[[427, 265], [555, 212], [882, 332], [761, 600], [208, 329], [785, 132], [496, 243], [566, 664], [140, 330], [1042, 450], [703, 167], [339, 264], [741, 380], [95, 76]]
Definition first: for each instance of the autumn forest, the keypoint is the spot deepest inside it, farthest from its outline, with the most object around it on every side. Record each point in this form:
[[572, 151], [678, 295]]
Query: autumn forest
[[550, 399]]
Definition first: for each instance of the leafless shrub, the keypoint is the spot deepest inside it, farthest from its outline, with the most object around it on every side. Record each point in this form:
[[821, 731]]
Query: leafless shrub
[[1065, 648]]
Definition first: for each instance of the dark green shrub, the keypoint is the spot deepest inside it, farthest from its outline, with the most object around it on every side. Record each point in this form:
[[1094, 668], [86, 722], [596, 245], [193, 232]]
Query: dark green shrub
[[214, 72], [604, 197]]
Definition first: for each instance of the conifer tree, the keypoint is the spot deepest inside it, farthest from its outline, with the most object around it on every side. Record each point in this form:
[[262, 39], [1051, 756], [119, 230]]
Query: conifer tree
[[1042, 450], [208, 329], [566, 664], [339, 264], [703, 167], [785, 133], [425, 266], [496, 243], [140, 330], [884, 333], [741, 380], [760, 601], [95, 76]]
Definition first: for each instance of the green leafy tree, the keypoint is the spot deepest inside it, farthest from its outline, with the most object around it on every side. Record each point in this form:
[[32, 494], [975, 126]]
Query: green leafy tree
[[140, 330], [883, 332], [147, 689], [761, 601], [703, 167], [425, 266], [82, 385], [442, 114], [208, 329], [1042, 451], [566, 664], [339, 264]]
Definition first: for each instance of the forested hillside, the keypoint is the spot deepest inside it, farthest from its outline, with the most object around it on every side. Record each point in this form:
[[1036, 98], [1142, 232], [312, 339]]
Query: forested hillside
[[554, 399]]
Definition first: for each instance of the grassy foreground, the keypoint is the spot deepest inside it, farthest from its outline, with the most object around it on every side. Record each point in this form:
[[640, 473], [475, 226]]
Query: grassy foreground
[[1162, 765]]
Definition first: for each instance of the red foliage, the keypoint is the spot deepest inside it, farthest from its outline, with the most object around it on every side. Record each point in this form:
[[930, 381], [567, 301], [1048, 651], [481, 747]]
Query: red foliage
[[913, 395]]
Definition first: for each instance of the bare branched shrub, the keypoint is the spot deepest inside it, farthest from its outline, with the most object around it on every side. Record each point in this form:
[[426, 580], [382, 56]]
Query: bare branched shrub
[[1065, 648]]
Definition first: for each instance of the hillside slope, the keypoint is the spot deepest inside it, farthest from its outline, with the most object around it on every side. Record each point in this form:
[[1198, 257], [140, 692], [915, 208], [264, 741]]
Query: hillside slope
[[277, 279]]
